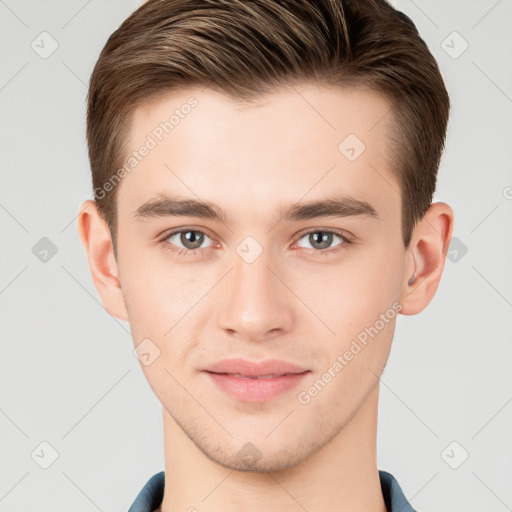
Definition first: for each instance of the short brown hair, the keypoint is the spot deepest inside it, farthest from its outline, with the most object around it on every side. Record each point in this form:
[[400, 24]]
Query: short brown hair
[[246, 49]]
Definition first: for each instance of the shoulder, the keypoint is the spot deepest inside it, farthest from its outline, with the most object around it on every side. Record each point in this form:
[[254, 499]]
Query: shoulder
[[150, 496], [394, 497]]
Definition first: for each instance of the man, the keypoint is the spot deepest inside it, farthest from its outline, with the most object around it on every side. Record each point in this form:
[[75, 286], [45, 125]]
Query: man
[[263, 176]]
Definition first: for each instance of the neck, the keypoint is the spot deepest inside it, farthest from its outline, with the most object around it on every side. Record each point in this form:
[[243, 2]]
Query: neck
[[342, 475]]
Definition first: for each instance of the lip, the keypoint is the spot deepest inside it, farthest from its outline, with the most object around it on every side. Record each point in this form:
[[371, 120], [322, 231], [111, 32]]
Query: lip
[[255, 369], [238, 378]]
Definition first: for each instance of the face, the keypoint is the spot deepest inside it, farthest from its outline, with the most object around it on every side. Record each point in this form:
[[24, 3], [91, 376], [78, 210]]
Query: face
[[267, 272]]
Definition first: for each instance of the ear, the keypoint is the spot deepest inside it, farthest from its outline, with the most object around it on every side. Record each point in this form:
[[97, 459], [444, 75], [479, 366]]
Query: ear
[[96, 240], [425, 257]]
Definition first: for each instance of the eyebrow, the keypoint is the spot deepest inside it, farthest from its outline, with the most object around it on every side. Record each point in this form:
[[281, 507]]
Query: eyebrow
[[164, 205]]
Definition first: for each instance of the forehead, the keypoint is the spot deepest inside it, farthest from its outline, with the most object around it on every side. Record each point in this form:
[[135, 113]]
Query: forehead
[[303, 141]]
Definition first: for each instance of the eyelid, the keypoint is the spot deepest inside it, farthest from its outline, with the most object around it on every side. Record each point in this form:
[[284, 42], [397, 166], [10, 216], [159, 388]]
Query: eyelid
[[347, 237], [175, 231], [340, 232]]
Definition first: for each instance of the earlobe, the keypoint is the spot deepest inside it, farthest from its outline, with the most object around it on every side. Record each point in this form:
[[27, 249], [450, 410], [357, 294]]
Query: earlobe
[[95, 237], [426, 258]]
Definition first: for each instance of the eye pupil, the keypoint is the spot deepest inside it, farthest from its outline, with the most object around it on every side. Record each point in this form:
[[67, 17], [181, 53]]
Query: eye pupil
[[325, 239], [191, 237]]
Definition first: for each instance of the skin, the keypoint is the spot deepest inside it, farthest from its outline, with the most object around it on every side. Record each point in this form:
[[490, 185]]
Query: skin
[[291, 303]]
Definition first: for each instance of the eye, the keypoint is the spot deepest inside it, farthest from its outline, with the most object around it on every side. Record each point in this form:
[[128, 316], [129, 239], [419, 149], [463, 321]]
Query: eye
[[188, 241], [321, 239], [185, 240]]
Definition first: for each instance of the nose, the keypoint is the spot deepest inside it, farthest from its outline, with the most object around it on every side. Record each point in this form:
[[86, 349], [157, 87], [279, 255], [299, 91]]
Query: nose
[[255, 303]]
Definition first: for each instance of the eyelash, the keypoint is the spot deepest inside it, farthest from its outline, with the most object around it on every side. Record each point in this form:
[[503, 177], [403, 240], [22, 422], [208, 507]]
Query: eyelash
[[196, 252]]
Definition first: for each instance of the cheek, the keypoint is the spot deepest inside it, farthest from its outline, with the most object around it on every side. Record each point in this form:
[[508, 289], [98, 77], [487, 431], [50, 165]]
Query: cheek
[[351, 297], [160, 298], [360, 309], [158, 291]]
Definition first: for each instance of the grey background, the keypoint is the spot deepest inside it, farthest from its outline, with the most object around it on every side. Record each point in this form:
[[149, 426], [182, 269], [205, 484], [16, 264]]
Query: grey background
[[68, 374]]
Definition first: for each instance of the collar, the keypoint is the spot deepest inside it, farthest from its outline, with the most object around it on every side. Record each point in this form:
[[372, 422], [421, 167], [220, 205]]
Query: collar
[[150, 497]]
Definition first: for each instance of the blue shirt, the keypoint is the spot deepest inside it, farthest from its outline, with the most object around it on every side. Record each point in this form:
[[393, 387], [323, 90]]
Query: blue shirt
[[151, 495]]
